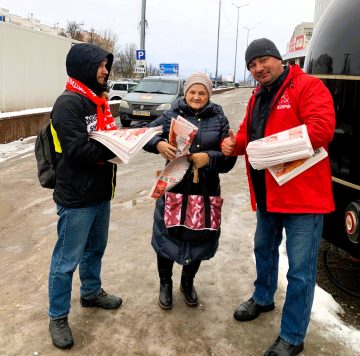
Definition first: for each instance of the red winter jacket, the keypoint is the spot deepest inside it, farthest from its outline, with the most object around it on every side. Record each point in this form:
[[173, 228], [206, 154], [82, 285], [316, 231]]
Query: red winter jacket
[[302, 99]]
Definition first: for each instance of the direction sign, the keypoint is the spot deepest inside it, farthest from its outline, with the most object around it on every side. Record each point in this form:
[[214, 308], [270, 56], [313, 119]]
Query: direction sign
[[140, 54], [169, 68]]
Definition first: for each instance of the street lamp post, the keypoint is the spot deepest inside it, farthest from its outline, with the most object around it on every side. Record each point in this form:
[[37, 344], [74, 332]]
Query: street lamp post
[[217, 48], [237, 33], [247, 44], [142, 29]]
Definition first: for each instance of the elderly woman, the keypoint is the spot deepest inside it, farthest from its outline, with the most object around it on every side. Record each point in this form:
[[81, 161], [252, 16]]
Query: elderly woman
[[206, 156]]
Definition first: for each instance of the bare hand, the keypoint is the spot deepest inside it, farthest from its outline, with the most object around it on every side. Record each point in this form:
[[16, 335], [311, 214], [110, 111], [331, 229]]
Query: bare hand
[[200, 159], [228, 144], [166, 150]]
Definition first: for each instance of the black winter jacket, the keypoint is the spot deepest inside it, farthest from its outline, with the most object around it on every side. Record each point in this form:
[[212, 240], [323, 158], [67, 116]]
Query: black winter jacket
[[83, 175], [212, 126]]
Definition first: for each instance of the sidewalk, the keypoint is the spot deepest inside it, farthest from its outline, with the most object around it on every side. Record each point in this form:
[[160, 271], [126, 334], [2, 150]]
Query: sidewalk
[[140, 327]]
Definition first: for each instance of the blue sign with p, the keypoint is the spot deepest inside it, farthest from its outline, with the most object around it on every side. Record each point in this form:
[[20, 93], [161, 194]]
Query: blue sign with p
[[140, 54]]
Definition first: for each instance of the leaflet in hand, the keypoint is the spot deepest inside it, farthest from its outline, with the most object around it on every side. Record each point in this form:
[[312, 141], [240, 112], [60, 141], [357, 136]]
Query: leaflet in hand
[[125, 143], [284, 146], [181, 135], [171, 175], [283, 172]]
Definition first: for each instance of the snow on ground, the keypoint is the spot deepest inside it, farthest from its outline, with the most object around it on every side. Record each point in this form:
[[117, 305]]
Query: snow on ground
[[325, 309], [12, 149], [24, 112]]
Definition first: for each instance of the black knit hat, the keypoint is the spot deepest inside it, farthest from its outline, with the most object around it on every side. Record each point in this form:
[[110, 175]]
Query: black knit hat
[[260, 48]]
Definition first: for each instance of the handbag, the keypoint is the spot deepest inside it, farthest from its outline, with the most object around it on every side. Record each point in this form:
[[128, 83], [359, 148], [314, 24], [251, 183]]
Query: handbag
[[193, 217]]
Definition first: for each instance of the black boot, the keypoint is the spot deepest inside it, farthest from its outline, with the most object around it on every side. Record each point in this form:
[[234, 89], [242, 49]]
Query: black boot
[[61, 335], [165, 295], [165, 273], [187, 284]]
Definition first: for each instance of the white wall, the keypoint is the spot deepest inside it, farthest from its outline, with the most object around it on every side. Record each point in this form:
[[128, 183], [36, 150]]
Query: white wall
[[32, 67]]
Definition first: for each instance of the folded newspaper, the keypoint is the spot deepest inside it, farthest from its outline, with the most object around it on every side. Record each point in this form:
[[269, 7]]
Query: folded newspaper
[[181, 136], [125, 143], [283, 172], [282, 147]]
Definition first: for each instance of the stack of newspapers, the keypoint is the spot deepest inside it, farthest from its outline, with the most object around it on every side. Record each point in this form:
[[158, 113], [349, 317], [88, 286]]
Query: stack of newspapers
[[125, 143], [285, 154], [284, 146]]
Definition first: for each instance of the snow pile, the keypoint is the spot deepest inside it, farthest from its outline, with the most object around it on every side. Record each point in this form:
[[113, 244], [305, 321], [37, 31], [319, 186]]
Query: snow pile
[[12, 149]]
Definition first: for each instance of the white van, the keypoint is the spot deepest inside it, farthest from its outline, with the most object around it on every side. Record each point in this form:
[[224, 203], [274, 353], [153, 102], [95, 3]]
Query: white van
[[117, 89]]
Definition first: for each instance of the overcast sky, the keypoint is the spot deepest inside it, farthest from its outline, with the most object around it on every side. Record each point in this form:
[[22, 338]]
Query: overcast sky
[[179, 31]]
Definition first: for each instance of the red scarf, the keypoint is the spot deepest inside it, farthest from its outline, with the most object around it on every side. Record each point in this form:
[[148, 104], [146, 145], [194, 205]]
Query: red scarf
[[105, 120]]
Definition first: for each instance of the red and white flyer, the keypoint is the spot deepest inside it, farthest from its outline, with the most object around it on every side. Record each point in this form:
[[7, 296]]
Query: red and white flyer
[[181, 136]]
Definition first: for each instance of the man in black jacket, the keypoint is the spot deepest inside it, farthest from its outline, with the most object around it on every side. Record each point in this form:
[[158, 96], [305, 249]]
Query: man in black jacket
[[85, 183]]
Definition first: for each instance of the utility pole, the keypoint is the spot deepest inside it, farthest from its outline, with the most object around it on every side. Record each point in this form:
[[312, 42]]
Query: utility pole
[[217, 50], [247, 44], [142, 28], [237, 33]]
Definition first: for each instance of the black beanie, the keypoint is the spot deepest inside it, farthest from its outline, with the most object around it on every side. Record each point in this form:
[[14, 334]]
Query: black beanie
[[260, 48]]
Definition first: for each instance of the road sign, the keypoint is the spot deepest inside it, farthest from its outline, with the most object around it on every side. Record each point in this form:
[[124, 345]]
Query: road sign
[[140, 63], [169, 68], [140, 70], [140, 54]]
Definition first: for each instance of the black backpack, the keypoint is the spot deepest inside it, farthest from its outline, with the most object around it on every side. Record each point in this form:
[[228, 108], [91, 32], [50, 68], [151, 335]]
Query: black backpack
[[46, 157], [45, 151]]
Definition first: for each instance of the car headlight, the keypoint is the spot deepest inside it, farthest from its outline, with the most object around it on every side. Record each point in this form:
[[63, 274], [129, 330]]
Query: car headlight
[[164, 106], [124, 104]]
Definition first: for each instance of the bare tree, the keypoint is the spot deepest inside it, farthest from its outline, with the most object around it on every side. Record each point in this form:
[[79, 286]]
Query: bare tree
[[107, 40], [92, 35], [125, 60], [62, 33], [74, 30], [151, 70]]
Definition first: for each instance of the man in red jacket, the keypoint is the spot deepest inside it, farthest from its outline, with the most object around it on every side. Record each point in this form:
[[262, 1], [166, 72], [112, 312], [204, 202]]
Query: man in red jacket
[[286, 97]]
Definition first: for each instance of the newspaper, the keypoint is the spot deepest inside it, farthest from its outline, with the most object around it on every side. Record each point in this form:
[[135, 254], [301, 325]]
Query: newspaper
[[283, 172], [125, 143], [181, 136], [171, 175], [284, 146]]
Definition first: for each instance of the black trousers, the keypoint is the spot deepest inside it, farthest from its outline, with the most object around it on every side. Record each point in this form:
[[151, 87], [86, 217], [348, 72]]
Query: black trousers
[[165, 267]]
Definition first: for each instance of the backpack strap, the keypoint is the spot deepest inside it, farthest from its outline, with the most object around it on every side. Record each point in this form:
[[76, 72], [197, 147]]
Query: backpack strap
[[55, 137]]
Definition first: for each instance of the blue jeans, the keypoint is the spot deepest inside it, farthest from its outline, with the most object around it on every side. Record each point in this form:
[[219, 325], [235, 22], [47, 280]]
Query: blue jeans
[[303, 235], [82, 239]]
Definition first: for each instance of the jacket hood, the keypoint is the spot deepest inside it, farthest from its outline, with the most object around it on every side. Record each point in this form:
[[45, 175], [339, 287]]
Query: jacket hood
[[82, 63]]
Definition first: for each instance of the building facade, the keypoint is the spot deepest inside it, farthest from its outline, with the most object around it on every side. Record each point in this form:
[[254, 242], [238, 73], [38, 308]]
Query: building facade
[[300, 39]]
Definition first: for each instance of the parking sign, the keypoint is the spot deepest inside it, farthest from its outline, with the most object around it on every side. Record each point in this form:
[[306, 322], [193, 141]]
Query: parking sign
[[140, 54]]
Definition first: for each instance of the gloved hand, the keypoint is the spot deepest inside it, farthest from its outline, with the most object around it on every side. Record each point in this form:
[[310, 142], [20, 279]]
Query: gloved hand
[[200, 160]]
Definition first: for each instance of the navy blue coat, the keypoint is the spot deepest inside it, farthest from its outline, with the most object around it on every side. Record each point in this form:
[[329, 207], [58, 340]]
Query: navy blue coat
[[212, 126]]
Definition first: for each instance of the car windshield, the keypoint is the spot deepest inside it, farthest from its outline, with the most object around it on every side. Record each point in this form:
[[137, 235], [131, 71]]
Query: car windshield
[[157, 86]]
